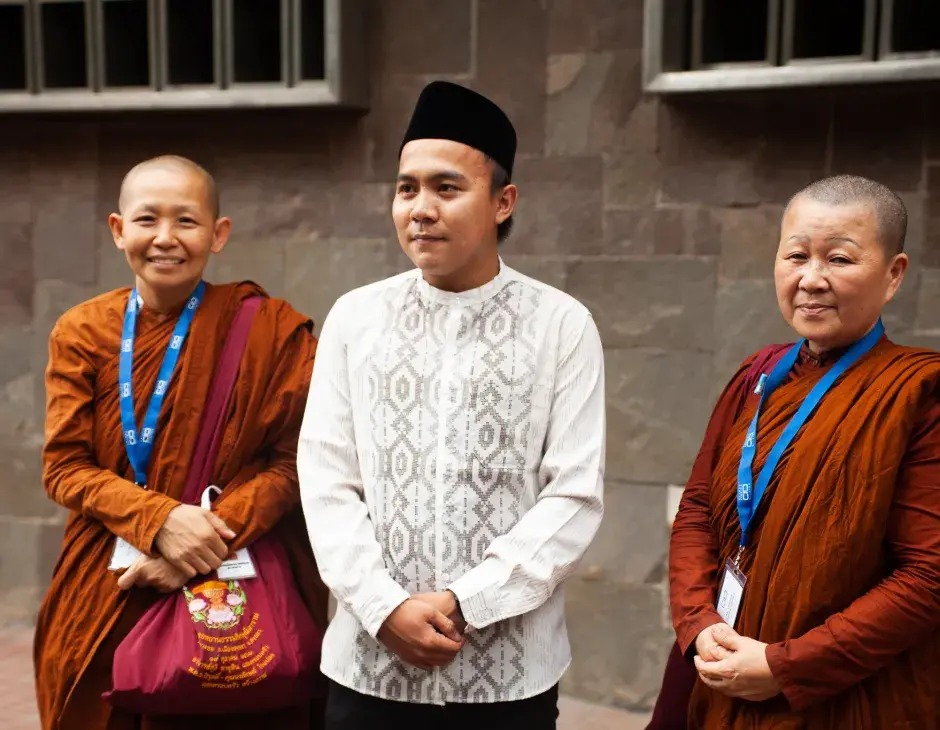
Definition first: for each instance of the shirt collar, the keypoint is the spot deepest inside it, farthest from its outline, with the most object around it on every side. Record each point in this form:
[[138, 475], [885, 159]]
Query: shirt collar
[[469, 297]]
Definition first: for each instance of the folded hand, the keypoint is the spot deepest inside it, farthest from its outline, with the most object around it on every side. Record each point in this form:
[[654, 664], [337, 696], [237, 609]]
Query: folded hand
[[744, 672], [147, 572], [191, 539]]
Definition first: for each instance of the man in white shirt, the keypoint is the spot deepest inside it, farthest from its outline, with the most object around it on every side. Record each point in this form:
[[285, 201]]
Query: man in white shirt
[[451, 458]]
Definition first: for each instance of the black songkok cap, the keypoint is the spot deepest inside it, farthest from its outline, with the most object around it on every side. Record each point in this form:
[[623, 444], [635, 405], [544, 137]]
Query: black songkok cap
[[450, 111]]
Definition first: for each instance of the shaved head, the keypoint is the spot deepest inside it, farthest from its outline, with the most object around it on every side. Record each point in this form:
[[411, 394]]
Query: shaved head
[[888, 208], [171, 162]]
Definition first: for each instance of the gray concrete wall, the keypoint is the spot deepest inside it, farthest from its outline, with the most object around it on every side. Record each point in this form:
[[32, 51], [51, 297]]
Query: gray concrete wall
[[660, 217]]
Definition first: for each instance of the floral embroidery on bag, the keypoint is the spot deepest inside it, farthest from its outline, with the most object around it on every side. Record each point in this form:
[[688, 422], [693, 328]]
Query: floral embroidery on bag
[[216, 604]]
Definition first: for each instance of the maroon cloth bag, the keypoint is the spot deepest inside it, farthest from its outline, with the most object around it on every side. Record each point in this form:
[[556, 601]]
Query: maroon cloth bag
[[222, 647], [672, 705]]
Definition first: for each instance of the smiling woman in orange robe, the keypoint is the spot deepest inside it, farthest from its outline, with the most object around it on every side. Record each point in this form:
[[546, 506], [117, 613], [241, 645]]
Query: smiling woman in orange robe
[[168, 227], [839, 626]]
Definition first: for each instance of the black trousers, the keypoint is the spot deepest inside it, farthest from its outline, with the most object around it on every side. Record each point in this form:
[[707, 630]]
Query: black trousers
[[350, 710]]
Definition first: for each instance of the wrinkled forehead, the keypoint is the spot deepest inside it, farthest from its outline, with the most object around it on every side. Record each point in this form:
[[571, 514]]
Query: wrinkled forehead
[[428, 157], [805, 217]]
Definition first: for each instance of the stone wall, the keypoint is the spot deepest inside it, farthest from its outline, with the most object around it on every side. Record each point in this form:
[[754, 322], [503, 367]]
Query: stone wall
[[661, 217]]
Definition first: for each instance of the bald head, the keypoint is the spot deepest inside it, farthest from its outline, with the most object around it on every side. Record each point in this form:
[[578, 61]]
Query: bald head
[[171, 163], [888, 208]]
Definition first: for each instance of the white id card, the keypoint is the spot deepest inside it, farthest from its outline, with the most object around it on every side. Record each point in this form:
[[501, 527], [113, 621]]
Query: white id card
[[237, 568], [730, 593], [124, 555]]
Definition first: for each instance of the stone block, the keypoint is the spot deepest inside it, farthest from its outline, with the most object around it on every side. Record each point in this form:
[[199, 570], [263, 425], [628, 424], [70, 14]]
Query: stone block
[[932, 112], [362, 210], [275, 194], [928, 303], [258, 259], [619, 642], [791, 155], [17, 280], [704, 229], [64, 187], [669, 231], [658, 404], [709, 150], [319, 271], [19, 542], [749, 240], [559, 209], [53, 299], [633, 540], [747, 318], [629, 231], [422, 36], [396, 261], [510, 62], [649, 303], [15, 352], [631, 179], [113, 270], [664, 230], [591, 98], [594, 25], [15, 162], [900, 313], [31, 548], [880, 136], [553, 272], [21, 489], [932, 217]]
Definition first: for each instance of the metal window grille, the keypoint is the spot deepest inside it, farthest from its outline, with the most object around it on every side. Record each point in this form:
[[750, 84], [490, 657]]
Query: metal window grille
[[701, 45], [125, 54]]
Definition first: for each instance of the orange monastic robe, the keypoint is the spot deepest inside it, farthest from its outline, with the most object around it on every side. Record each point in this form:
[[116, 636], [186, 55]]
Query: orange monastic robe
[[84, 615], [844, 563]]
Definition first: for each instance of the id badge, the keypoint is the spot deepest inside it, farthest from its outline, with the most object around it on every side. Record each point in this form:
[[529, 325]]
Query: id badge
[[238, 567], [730, 593], [124, 555]]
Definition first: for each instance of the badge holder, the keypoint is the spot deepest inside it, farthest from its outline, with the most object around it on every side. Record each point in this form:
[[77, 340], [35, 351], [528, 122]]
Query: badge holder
[[238, 567], [731, 591]]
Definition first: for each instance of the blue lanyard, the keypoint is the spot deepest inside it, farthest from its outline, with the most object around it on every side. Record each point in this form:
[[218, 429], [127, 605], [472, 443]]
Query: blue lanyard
[[749, 492], [140, 448]]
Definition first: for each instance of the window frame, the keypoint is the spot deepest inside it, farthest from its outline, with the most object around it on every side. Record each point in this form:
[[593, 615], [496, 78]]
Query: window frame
[[344, 83], [662, 46]]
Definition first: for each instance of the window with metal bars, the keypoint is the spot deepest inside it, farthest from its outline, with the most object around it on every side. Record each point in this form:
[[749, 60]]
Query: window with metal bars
[[127, 54], [702, 45]]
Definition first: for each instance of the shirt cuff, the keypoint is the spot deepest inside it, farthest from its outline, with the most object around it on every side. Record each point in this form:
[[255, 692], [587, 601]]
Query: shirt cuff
[[386, 597], [478, 595], [688, 633], [776, 655], [161, 505]]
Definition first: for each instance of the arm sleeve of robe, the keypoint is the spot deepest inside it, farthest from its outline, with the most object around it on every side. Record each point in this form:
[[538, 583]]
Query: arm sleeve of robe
[[902, 610], [71, 476], [341, 531], [693, 551], [253, 508], [521, 569]]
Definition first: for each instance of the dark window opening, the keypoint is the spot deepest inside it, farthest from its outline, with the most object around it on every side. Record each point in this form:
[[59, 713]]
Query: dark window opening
[[190, 42], [312, 52], [915, 26], [733, 31], [12, 48], [828, 29], [63, 45], [256, 40], [126, 43]]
